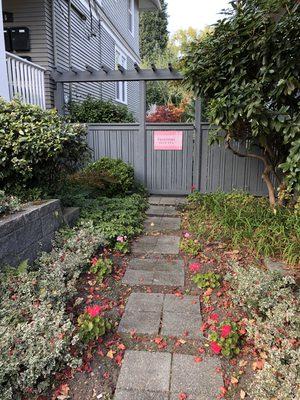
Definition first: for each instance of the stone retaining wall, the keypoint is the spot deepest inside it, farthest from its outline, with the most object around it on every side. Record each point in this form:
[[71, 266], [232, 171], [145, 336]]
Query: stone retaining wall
[[25, 234]]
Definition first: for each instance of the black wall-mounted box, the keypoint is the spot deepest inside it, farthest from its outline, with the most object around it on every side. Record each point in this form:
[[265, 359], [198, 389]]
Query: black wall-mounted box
[[7, 39], [20, 38]]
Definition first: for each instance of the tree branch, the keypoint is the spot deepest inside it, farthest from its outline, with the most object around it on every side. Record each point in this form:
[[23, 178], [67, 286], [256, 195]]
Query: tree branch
[[239, 154]]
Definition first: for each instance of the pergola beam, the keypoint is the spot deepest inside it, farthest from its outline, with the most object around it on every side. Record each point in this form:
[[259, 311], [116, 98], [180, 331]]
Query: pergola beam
[[108, 75]]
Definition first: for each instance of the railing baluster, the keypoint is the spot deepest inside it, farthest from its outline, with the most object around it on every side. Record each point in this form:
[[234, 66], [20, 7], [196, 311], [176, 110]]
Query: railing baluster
[[25, 79]]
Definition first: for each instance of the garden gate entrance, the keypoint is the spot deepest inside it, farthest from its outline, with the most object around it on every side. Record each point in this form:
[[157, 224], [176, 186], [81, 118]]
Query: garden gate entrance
[[167, 158]]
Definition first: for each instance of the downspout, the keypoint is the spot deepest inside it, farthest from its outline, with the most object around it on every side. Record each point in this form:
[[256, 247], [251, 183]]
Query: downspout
[[54, 35], [70, 43]]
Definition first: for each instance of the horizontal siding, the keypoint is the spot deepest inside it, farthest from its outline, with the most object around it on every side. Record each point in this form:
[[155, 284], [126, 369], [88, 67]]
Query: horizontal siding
[[117, 12]]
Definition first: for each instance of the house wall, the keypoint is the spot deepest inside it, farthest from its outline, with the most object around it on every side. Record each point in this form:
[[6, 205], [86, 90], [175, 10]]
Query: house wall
[[32, 14], [93, 41]]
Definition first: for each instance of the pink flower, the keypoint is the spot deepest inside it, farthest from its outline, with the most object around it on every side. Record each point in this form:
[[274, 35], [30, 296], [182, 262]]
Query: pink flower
[[187, 235], [93, 311], [215, 347], [225, 331], [214, 317], [120, 239], [194, 267]]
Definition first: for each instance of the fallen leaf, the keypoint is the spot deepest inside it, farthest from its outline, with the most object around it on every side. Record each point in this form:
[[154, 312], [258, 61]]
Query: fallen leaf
[[242, 394], [234, 380], [110, 354], [182, 396], [198, 359]]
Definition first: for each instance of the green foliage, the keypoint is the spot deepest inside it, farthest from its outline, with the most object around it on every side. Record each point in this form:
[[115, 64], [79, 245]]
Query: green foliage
[[247, 72], [207, 280], [154, 32], [190, 246], [227, 336], [120, 174], [271, 302], [117, 216], [37, 146], [36, 330], [92, 110], [101, 267], [242, 220], [91, 328], [8, 204]]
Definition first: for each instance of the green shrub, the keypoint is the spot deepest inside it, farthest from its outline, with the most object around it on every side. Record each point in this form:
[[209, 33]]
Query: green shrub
[[8, 204], [36, 331], [207, 280], [95, 111], [190, 246], [119, 175], [272, 304], [116, 217], [37, 146], [101, 267], [244, 220]]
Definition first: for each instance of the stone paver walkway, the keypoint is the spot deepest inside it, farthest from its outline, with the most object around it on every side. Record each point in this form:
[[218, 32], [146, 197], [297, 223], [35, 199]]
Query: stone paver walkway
[[156, 262]]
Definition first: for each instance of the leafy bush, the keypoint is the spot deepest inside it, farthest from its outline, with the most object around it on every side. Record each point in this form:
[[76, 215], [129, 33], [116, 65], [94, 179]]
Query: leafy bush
[[37, 146], [225, 338], [272, 304], [101, 267], [95, 111], [207, 280], [91, 324], [8, 204], [121, 175], [190, 246], [36, 330], [245, 220]]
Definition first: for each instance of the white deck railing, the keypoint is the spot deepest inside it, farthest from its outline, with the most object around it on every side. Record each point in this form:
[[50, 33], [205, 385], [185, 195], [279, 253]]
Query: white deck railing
[[26, 80]]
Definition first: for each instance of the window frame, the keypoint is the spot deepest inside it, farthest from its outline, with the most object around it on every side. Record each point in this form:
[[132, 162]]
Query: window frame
[[121, 87]]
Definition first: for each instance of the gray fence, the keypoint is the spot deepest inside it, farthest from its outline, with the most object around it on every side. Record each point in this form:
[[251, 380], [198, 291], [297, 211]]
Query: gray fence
[[208, 168]]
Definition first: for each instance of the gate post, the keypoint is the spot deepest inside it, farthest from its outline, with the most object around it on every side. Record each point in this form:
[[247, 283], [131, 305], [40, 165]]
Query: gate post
[[142, 154], [59, 97], [198, 145]]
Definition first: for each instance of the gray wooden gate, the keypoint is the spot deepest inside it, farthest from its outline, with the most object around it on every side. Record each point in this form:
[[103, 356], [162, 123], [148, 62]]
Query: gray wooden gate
[[170, 172]]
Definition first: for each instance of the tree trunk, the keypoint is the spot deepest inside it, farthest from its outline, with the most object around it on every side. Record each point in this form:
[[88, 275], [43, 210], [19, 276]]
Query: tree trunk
[[270, 186]]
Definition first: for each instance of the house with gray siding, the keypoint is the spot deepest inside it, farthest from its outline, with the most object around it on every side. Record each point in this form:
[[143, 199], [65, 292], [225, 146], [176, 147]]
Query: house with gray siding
[[39, 35]]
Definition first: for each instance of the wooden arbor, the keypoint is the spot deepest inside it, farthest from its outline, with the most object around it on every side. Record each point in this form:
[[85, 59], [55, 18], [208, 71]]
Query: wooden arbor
[[137, 74]]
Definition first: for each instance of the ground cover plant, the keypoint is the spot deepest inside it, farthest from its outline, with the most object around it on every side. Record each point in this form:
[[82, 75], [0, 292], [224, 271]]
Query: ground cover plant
[[8, 204], [252, 316], [37, 332], [242, 220]]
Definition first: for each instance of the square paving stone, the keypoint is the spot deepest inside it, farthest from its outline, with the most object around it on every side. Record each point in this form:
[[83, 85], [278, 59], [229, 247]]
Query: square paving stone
[[145, 302], [162, 210], [167, 245], [162, 224], [133, 395], [165, 278], [145, 371], [181, 325], [133, 277], [198, 379], [164, 200], [142, 322], [185, 304], [156, 264]]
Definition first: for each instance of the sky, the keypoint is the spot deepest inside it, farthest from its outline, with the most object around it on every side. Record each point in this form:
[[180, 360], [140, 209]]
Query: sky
[[195, 13]]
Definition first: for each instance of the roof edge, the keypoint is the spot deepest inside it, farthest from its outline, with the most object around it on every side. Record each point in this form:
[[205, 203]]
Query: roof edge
[[149, 5]]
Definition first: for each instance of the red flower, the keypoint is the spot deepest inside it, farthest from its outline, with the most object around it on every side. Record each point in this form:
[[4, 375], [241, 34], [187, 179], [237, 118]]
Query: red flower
[[215, 347], [195, 267], [94, 261], [93, 311], [214, 317], [225, 331]]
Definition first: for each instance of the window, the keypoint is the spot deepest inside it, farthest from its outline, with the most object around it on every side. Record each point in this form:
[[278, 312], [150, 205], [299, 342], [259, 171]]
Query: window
[[121, 87], [131, 16]]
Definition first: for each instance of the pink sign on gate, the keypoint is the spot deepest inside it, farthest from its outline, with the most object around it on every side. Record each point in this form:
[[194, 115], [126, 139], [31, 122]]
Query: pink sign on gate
[[168, 140]]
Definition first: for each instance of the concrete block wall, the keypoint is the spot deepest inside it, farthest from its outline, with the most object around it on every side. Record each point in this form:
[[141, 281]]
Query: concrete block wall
[[25, 234]]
